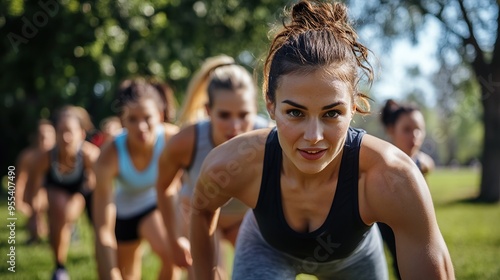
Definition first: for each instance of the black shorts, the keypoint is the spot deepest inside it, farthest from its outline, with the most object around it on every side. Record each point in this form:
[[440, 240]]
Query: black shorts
[[87, 195], [70, 189], [127, 229]]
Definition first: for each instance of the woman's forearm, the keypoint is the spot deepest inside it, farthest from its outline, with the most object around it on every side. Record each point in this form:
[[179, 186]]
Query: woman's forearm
[[202, 244]]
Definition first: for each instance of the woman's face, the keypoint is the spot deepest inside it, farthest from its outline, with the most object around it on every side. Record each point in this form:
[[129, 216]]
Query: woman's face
[[408, 132], [111, 129], [141, 118], [46, 136], [312, 114], [69, 132], [232, 113]]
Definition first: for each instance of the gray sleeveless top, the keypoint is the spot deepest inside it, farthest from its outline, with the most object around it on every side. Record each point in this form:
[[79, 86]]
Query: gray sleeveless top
[[203, 145]]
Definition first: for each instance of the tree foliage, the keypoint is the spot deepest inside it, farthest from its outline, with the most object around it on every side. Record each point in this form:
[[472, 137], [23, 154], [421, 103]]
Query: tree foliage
[[56, 52], [469, 40], [75, 52]]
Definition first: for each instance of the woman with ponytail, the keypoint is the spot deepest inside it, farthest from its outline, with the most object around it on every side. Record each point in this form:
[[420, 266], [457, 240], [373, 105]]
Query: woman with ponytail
[[405, 125], [317, 186], [220, 104]]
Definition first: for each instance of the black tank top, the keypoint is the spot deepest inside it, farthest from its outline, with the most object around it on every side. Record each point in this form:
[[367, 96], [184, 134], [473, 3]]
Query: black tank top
[[73, 181], [343, 229]]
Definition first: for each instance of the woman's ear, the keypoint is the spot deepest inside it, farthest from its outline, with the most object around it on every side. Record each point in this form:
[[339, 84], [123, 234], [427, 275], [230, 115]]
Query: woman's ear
[[270, 106]]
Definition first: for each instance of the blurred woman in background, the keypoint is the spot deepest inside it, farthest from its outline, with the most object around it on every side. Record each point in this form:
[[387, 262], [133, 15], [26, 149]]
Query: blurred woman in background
[[405, 125], [126, 202], [66, 173], [220, 104], [44, 140]]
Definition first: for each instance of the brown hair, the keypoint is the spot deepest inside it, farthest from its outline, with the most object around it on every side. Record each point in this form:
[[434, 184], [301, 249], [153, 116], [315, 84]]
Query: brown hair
[[392, 111], [168, 98], [216, 73], [318, 35], [131, 90], [77, 112]]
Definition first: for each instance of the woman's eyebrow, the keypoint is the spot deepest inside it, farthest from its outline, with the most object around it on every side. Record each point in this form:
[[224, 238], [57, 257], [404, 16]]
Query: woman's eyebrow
[[305, 108], [294, 104]]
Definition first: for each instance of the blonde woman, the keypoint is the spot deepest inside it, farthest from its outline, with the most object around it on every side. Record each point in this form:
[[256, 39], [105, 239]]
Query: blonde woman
[[225, 93]]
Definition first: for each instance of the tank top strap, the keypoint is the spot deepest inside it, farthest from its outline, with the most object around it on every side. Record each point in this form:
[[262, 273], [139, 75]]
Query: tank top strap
[[271, 171], [120, 144]]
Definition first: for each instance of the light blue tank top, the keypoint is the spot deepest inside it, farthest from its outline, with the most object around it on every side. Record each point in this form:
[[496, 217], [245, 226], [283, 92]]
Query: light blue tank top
[[135, 190]]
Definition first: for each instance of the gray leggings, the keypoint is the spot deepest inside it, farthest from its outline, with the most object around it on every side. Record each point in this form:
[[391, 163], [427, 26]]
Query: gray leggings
[[255, 259]]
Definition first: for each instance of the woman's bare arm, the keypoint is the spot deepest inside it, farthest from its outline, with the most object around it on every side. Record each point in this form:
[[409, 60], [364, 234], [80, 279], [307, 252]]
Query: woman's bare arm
[[104, 214], [172, 161], [395, 192]]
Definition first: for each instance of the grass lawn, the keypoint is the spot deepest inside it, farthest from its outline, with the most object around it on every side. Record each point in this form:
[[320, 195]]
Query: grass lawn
[[471, 230]]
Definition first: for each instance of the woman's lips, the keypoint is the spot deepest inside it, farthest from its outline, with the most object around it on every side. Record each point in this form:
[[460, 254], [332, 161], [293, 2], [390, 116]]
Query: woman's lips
[[310, 154]]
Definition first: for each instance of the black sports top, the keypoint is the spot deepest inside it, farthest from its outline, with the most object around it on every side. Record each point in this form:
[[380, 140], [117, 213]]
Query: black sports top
[[343, 229], [73, 181]]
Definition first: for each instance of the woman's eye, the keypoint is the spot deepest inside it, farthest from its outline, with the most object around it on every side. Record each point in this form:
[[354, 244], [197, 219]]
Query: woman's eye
[[243, 115], [224, 115], [332, 114], [294, 113]]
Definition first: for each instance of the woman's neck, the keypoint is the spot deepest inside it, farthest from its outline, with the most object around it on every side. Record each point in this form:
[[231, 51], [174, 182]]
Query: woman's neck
[[68, 152], [144, 148]]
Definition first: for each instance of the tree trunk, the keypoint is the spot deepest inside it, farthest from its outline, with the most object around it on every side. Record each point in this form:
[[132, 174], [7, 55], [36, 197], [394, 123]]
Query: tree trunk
[[490, 177]]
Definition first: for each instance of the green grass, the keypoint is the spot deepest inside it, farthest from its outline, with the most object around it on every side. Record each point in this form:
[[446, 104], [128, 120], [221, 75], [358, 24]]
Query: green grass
[[471, 231], [36, 261]]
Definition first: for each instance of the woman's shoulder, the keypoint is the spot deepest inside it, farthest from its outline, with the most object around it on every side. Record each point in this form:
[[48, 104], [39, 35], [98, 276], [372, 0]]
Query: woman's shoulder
[[34, 157], [390, 179], [236, 165], [170, 129], [376, 152], [182, 141], [27, 155], [90, 150], [255, 139], [243, 150], [108, 156]]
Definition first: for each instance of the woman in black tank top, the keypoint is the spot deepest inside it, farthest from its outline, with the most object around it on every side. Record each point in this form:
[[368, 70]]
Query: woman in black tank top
[[315, 200], [66, 173]]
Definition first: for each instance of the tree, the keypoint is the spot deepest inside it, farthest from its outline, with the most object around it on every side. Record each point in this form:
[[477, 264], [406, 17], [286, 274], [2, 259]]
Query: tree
[[469, 35], [56, 52]]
